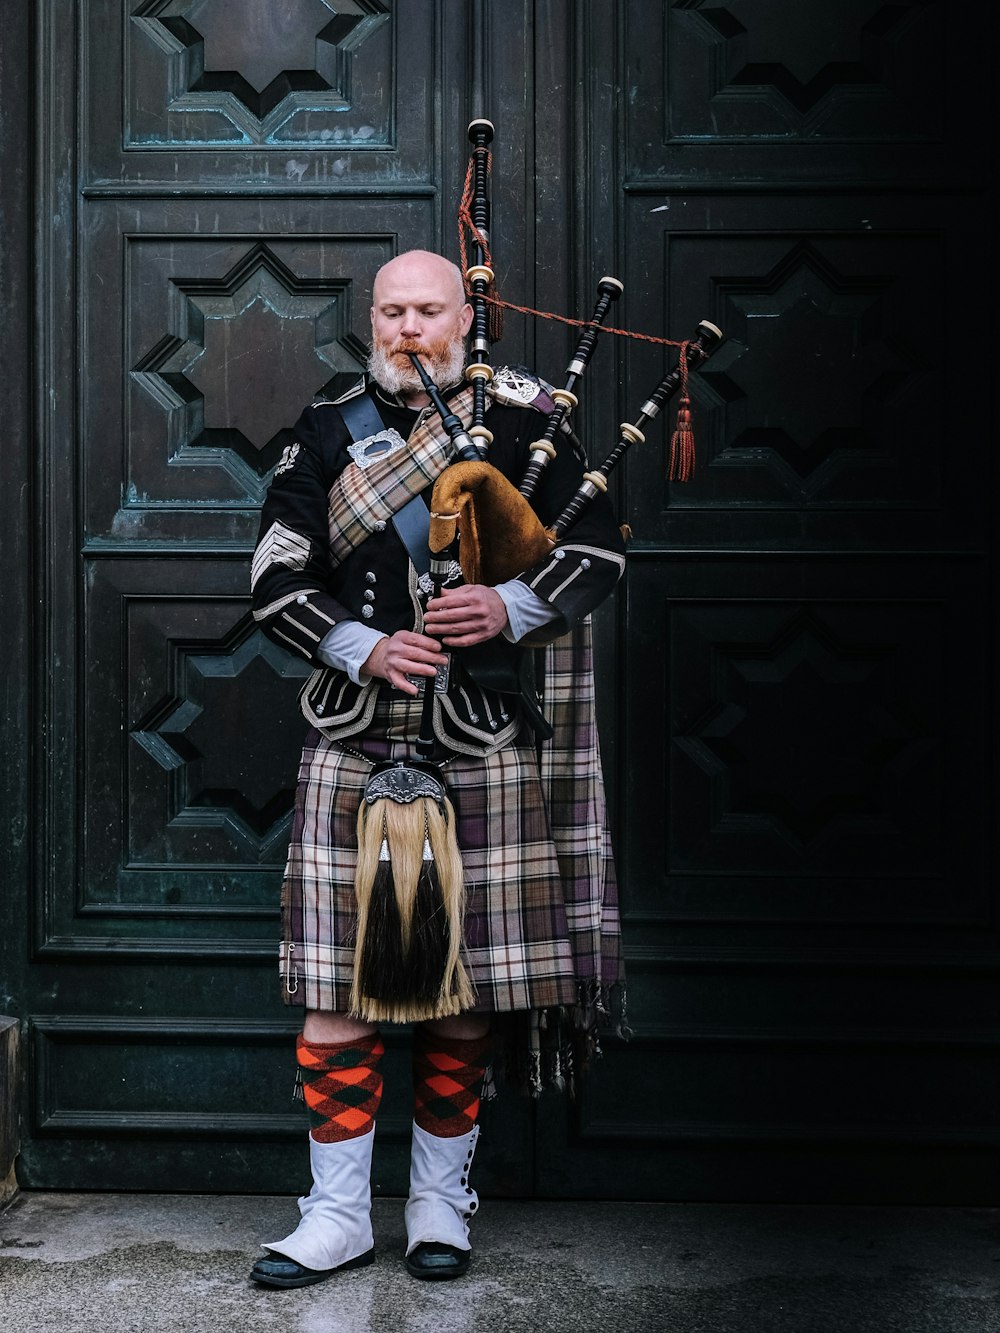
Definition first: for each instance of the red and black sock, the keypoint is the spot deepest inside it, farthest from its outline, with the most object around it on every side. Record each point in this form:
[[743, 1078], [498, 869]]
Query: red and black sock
[[342, 1086], [448, 1081]]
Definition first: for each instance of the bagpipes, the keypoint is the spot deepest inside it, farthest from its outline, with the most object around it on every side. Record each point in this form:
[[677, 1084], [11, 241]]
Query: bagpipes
[[409, 882], [498, 533]]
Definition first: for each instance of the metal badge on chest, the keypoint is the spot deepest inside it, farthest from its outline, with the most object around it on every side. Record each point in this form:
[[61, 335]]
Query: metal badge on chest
[[373, 448]]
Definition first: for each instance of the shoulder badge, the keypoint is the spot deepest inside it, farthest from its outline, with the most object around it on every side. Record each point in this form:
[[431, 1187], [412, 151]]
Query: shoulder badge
[[358, 386], [287, 460]]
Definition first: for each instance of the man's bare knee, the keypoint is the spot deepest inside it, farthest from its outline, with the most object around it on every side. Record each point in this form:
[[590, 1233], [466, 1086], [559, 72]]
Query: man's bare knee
[[327, 1029], [461, 1027]]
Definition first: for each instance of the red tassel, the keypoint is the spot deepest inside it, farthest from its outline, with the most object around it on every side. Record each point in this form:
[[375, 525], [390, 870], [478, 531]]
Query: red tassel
[[494, 316], [682, 445]]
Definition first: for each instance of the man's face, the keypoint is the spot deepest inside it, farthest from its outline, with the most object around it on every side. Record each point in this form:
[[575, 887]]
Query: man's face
[[418, 307]]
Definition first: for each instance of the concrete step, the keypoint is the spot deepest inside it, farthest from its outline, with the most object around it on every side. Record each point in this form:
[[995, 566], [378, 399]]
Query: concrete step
[[144, 1263]]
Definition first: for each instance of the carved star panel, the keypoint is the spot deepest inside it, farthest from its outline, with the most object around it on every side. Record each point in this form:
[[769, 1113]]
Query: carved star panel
[[194, 735], [755, 67], [206, 331], [250, 348], [820, 340], [789, 752], [253, 72], [770, 93], [804, 736], [828, 393], [212, 736], [253, 97], [202, 353]]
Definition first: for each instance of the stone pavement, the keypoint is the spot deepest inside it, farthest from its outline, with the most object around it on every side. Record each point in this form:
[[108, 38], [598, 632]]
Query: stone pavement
[[100, 1263]]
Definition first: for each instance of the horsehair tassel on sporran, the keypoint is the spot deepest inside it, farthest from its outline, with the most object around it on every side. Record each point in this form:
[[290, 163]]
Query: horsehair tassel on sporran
[[693, 354], [609, 289], [474, 216], [410, 900]]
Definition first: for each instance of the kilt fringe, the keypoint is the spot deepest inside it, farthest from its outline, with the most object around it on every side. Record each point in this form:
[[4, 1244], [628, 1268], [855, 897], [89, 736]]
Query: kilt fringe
[[554, 1048]]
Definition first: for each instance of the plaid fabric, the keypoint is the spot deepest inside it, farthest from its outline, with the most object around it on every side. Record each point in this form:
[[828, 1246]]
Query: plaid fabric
[[362, 497], [573, 787], [448, 1077], [341, 1086], [541, 922]]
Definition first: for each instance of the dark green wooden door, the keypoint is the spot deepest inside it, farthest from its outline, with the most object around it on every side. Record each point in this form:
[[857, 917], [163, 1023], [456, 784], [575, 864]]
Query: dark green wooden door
[[804, 715], [217, 181], [796, 683]]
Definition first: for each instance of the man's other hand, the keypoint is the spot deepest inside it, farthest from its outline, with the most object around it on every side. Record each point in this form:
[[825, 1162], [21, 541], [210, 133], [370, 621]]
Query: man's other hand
[[463, 616]]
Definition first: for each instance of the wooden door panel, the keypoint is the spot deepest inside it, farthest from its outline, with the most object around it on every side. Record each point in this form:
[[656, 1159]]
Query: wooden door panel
[[850, 1109], [256, 96], [125, 1101], [797, 748], [218, 340], [826, 396], [760, 92], [207, 769], [180, 846]]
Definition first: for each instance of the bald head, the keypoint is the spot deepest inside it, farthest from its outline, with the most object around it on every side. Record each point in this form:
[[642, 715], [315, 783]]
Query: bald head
[[424, 270]]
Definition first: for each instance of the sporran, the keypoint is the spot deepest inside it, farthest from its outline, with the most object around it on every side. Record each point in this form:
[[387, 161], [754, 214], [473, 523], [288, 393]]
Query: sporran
[[410, 899]]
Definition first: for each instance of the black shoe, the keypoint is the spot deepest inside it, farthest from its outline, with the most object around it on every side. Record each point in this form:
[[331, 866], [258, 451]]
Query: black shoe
[[275, 1270], [435, 1260]]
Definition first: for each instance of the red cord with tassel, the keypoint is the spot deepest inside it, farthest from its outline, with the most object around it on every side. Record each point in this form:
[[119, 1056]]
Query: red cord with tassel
[[681, 466], [682, 445], [682, 452]]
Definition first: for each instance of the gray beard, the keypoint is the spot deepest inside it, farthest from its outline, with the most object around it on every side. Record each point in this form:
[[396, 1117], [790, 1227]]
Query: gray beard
[[399, 376]]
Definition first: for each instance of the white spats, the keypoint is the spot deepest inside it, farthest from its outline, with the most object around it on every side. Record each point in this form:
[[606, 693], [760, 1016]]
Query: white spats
[[336, 1224], [442, 1201]]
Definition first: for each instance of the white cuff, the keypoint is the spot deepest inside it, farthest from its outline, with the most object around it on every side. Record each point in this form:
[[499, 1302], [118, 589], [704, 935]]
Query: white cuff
[[526, 611], [348, 646]]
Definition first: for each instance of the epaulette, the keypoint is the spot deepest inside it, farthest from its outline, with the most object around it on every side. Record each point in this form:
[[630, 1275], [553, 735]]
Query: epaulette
[[323, 399]]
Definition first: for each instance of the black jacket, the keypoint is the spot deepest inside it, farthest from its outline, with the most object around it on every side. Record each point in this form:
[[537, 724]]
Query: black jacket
[[299, 594]]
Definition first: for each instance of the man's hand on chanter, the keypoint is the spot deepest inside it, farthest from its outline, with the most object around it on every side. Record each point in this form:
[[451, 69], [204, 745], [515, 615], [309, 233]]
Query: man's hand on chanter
[[466, 615], [403, 654]]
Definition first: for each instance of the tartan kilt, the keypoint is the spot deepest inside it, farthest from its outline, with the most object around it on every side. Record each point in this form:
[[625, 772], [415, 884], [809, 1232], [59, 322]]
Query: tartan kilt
[[518, 949]]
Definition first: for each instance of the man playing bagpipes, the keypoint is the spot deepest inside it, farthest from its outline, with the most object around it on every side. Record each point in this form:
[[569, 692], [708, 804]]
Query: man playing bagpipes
[[473, 893]]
